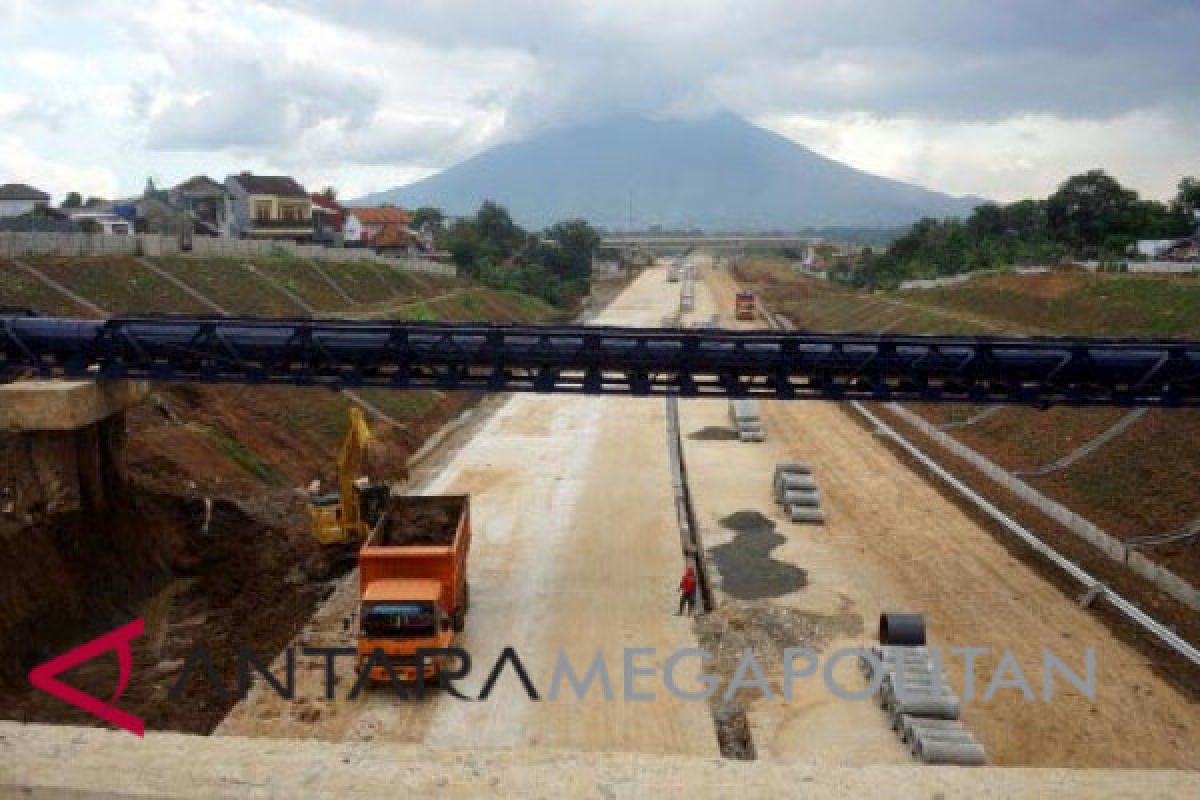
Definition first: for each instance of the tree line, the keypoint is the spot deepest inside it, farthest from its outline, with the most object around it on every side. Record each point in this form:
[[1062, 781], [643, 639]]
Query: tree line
[[1090, 216], [554, 264]]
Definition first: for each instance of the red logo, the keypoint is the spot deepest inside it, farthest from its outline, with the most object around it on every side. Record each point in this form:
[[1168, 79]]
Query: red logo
[[44, 676]]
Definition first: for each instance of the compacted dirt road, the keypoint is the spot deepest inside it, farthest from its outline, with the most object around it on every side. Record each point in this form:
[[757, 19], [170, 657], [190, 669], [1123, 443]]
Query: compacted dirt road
[[576, 550], [893, 541]]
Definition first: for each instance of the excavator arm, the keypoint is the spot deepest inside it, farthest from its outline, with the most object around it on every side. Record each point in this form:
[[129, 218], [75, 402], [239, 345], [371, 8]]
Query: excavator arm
[[338, 519]]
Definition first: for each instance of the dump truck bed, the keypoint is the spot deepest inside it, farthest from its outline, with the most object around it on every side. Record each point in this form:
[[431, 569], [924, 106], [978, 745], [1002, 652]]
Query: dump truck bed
[[420, 538]]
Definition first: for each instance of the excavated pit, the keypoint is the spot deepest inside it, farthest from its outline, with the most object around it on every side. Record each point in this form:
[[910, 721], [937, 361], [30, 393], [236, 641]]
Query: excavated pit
[[84, 549]]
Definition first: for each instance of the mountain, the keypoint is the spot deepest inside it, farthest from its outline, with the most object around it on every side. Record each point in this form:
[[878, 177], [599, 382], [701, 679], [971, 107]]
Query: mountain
[[714, 173]]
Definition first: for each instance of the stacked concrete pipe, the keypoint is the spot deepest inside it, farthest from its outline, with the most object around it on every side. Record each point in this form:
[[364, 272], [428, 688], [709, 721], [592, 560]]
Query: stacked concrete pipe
[[796, 490], [925, 713], [746, 419]]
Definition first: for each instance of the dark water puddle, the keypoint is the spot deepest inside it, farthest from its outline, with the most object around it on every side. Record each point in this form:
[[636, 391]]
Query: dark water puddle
[[748, 572], [714, 433]]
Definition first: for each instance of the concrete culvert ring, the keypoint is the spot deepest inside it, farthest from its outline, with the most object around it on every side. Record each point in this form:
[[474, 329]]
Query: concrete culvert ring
[[902, 629]]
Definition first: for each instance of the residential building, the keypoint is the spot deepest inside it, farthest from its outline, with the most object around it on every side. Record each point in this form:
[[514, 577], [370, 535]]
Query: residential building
[[384, 229], [329, 218], [208, 203], [269, 207], [17, 199], [93, 220]]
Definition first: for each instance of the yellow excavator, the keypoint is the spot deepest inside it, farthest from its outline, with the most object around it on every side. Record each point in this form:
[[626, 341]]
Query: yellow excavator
[[345, 517]]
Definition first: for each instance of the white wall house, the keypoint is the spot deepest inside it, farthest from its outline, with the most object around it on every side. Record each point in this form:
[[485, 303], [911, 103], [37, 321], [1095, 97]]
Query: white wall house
[[17, 199], [105, 222]]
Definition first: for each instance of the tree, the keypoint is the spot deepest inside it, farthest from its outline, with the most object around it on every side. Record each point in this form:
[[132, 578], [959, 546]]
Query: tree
[[74, 200], [1088, 209], [330, 194], [576, 240], [1188, 198], [428, 218]]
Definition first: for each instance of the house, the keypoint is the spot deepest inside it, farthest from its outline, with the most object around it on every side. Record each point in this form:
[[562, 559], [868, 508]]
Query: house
[[384, 229], [208, 203], [329, 219], [17, 199], [364, 224], [43, 219], [1187, 249], [94, 220], [269, 207]]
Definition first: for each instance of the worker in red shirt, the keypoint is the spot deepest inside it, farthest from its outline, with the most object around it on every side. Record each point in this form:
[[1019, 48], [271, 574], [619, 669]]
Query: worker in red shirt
[[687, 591]]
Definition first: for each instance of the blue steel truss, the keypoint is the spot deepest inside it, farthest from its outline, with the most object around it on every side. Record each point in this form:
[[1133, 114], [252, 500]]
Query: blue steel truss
[[604, 360]]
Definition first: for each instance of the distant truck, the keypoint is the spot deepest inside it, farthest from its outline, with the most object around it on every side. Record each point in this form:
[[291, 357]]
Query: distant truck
[[412, 578], [744, 306]]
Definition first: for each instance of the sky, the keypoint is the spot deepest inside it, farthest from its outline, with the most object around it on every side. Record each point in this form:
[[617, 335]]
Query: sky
[[1002, 99]]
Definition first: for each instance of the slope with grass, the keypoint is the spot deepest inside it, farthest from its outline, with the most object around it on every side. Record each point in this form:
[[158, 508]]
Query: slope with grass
[[252, 574], [1141, 482]]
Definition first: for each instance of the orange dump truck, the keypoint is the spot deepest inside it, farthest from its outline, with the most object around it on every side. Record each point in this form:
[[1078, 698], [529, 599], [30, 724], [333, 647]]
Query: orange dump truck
[[412, 579], [744, 305]]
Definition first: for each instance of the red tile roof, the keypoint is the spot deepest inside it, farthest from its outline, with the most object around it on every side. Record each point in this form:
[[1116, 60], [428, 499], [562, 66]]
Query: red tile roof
[[385, 215], [392, 235]]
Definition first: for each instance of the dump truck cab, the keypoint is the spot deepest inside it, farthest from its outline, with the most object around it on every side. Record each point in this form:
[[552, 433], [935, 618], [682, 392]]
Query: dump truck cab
[[744, 306], [400, 617]]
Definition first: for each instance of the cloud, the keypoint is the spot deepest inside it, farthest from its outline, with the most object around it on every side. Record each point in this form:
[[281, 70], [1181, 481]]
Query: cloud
[[968, 97], [20, 164]]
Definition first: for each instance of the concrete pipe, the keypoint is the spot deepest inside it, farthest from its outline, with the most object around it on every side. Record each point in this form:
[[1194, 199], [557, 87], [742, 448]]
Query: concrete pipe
[[901, 628], [893, 652], [907, 725], [939, 706], [914, 682], [808, 499], [792, 467], [793, 481], [922, 735], [959, 754], [804, 514], [890, 668]]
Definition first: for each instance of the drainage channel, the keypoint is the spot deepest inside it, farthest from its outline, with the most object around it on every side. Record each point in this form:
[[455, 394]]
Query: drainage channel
[[730, 723]]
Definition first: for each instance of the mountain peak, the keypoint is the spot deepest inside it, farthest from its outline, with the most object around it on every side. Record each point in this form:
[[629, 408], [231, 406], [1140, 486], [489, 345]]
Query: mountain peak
[[715, 172]]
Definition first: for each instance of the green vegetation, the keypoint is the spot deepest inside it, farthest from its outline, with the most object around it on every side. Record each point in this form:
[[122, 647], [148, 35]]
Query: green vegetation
[[247, 459], [1091, 216], [554, 265]]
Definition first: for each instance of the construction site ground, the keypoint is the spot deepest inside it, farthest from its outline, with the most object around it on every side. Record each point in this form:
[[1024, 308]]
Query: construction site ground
[[576, 550], [893, 541]]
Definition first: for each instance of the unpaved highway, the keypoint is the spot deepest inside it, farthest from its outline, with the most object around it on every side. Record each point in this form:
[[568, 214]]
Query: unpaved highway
[[576, 549], [892, 541]]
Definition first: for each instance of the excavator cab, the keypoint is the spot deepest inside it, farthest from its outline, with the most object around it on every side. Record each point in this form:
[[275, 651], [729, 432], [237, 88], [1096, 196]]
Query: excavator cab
[[346, 516]]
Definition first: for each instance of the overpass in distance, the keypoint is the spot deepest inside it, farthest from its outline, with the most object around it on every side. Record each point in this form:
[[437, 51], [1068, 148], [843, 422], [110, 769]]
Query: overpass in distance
[[747, 241]]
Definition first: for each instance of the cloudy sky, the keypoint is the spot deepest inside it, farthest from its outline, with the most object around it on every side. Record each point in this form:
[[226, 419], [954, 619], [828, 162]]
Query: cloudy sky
[[998, 98]]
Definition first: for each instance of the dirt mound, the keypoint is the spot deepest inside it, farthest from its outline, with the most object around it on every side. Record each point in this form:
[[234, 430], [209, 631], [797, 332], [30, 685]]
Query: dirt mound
[[413, 523], [766, 630]]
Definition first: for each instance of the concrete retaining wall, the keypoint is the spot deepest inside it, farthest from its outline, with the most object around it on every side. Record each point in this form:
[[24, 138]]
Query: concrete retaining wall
[[20, 245], [1105, 542]]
